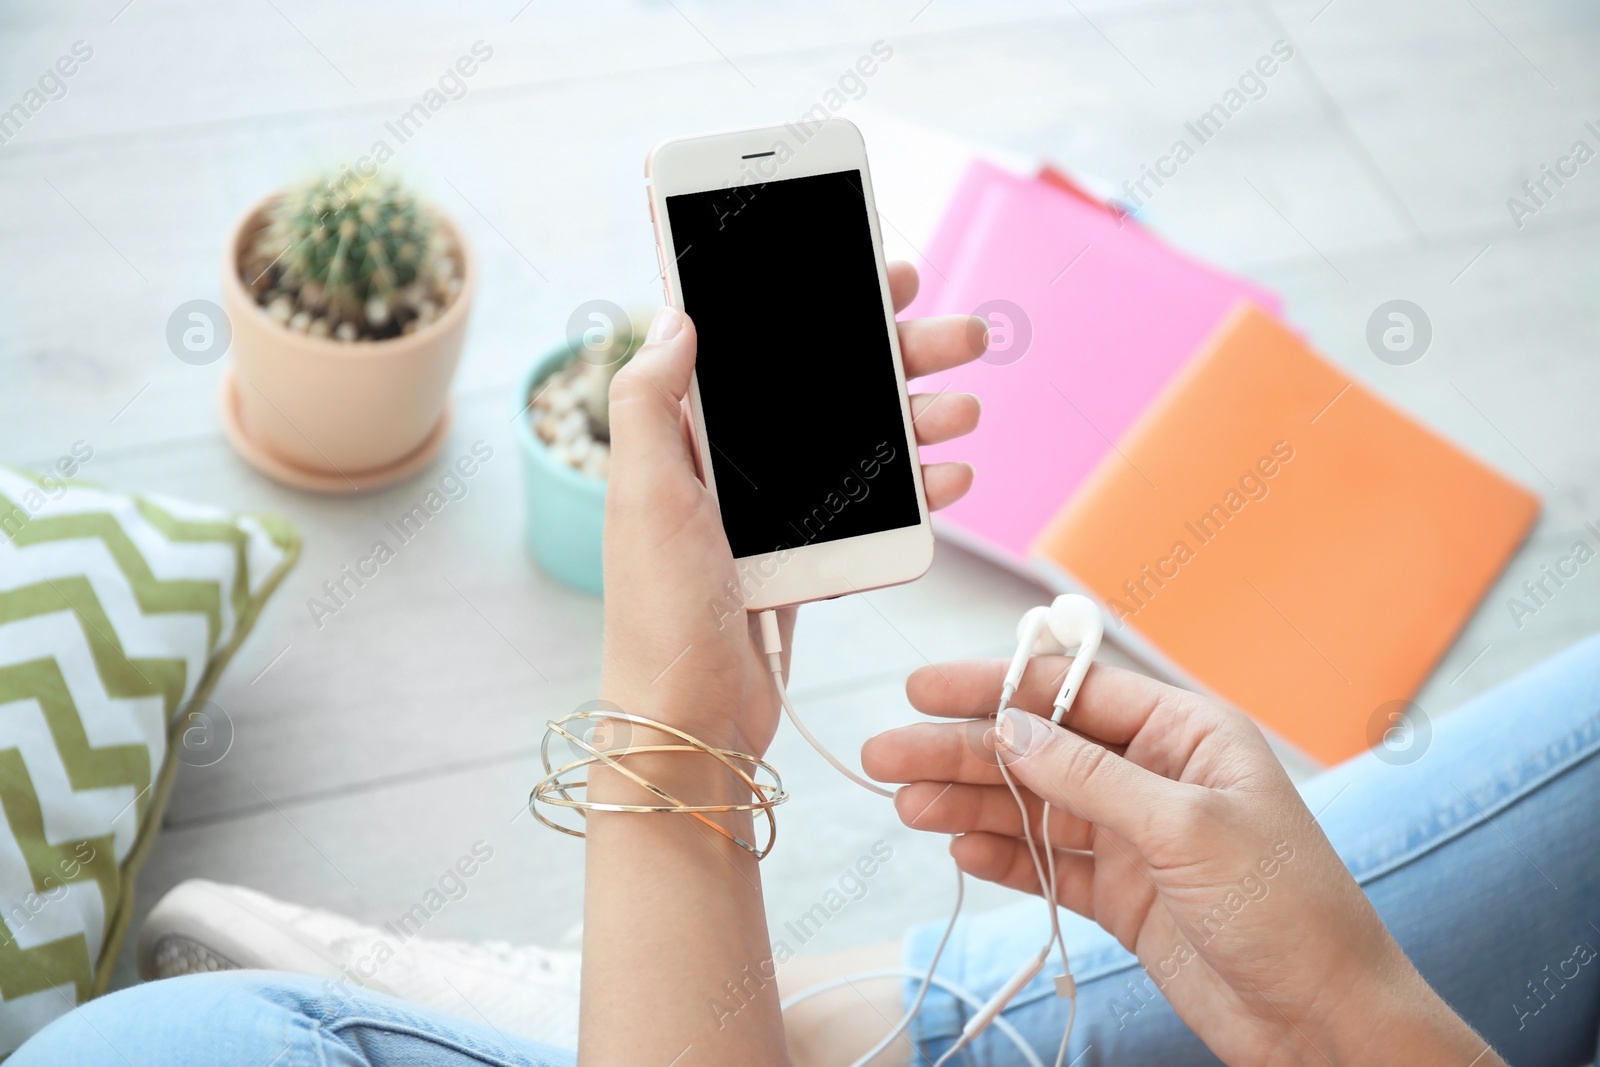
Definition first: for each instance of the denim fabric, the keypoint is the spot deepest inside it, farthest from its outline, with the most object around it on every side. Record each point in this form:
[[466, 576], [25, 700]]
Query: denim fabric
[[269, 1019]]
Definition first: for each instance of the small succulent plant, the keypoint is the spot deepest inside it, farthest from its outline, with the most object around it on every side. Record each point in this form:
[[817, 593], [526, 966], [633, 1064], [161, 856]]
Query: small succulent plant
[[352, 258], [571, 410]]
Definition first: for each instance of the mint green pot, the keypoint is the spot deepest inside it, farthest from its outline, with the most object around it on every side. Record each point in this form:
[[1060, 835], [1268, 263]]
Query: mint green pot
[[565, 510]]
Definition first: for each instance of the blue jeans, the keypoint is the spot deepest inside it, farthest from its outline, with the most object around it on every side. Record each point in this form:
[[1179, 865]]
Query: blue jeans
[[269, 1019], [1478, 845]]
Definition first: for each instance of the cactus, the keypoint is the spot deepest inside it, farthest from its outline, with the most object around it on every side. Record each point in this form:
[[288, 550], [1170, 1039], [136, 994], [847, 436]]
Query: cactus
[[352, 258]]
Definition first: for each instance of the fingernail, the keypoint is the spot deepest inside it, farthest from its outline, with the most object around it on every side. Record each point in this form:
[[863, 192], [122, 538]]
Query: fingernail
[[1021, 732], [665, 325], [977, 334]]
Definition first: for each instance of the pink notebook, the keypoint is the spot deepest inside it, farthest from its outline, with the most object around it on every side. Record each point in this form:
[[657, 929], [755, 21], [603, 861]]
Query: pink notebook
[[1114, 313]]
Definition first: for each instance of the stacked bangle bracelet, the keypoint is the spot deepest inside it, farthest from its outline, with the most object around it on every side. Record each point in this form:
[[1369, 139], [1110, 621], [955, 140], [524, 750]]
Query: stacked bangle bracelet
[[556, 789]]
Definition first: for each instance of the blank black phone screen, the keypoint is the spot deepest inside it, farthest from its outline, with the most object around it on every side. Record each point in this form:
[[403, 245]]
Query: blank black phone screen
[[797, 382]]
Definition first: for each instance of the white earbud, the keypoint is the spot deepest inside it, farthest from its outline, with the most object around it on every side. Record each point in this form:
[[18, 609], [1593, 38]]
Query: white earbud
[[1071, 623], [1076, 622], [1031, 630]]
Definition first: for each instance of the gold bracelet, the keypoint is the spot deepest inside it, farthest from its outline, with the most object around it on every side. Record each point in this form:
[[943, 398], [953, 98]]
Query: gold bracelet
[[556, 787]]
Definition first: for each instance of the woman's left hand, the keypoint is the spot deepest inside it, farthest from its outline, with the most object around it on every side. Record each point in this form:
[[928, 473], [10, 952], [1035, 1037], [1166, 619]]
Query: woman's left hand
[[681, 649], [679, 646]]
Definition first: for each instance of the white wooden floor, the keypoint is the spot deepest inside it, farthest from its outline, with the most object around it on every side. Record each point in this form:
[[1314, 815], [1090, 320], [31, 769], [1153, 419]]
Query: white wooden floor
[[371, 753]]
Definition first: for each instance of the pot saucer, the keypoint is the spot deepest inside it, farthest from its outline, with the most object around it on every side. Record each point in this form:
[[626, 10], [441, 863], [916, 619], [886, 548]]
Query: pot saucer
[[347, 483]]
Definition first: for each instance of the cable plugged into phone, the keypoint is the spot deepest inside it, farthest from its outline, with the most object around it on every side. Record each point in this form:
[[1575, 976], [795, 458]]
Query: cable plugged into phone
[[1071, 623], [772, 644]]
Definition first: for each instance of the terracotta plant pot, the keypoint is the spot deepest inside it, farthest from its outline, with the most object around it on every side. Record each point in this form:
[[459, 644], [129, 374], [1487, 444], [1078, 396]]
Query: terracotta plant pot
[[334, 415]]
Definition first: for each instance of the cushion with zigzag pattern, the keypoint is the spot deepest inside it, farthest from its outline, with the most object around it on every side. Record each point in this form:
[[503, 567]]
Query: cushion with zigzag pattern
[[117, 615]]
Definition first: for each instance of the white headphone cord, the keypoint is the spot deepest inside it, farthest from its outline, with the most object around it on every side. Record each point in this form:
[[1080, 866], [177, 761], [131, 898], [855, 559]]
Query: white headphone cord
[[838, 764], [775, 659], [1047, 888], [966, 997], [1061, 943], [772, 645]]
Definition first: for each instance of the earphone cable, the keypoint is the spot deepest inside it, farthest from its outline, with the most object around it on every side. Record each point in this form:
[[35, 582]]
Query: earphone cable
[[967, 997], [772, 645]]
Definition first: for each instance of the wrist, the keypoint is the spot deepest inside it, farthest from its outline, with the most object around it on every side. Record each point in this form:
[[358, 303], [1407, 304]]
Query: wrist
[[683, 776], [711, 721], [1393, 1016], [675, 778]]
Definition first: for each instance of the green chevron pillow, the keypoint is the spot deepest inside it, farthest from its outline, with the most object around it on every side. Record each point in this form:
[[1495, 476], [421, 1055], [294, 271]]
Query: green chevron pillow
[[117, 615]]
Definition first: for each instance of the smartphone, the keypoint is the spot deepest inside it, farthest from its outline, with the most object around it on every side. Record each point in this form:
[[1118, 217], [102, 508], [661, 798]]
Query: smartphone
[[768, 239]]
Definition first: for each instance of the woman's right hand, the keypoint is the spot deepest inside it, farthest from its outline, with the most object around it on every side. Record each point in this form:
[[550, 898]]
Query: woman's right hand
[[1177, 830]]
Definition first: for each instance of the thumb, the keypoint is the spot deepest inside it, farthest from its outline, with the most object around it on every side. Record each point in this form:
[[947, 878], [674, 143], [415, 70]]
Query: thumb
[[1072, 772], [647, 394]]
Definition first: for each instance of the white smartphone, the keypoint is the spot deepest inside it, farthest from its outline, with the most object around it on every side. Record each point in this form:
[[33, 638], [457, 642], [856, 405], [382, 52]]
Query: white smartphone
[[769, 241]]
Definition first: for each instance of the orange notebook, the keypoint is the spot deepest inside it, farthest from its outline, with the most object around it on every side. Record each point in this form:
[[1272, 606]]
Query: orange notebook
[[1279, 535]]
